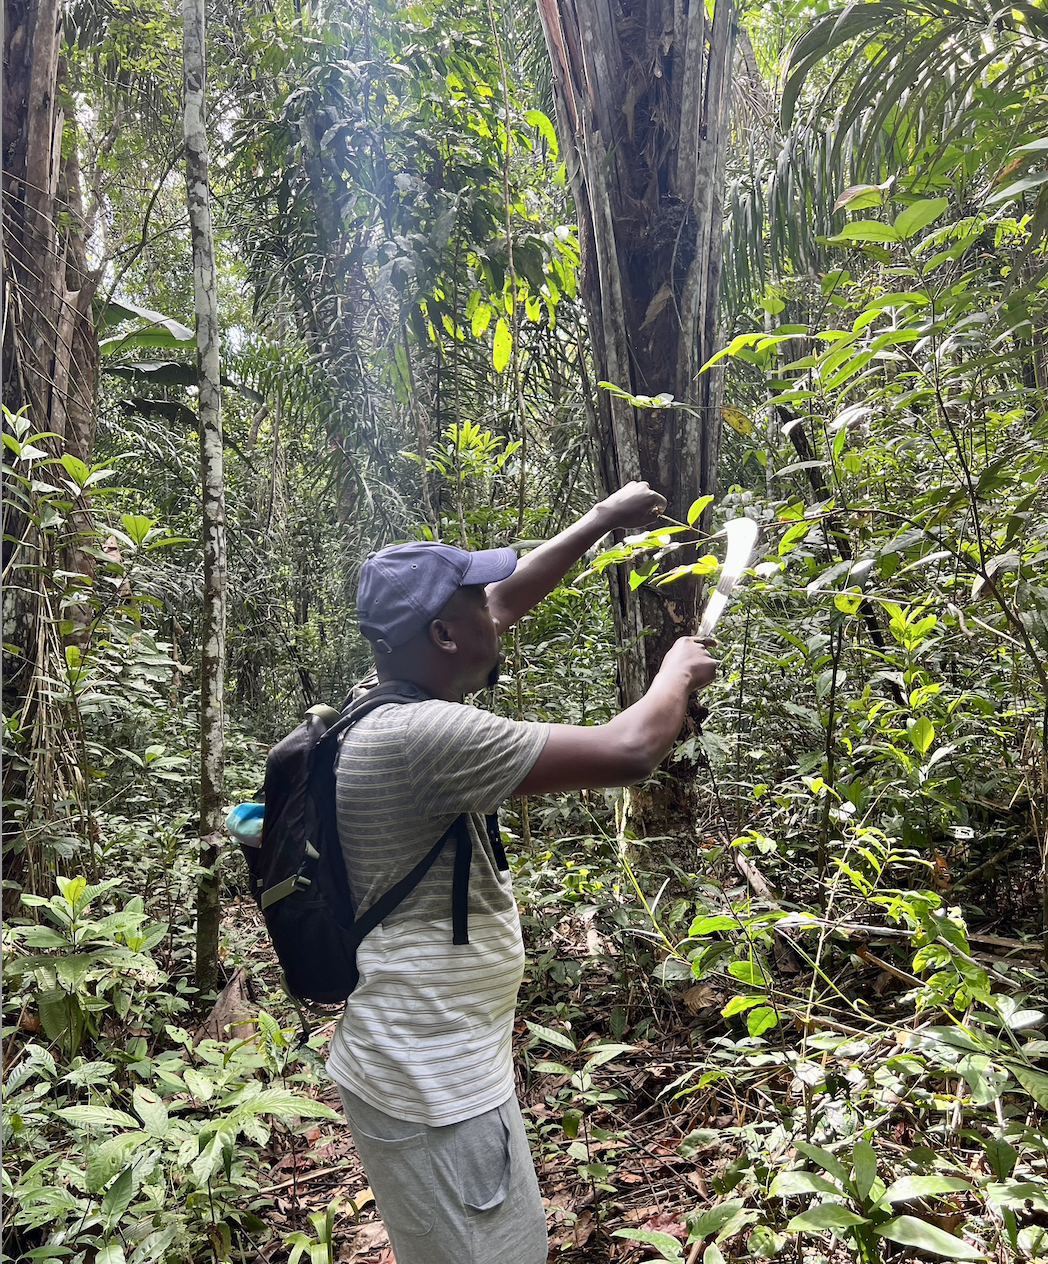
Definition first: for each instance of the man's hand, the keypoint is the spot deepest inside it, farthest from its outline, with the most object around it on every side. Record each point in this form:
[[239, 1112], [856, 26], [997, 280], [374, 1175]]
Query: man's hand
[[631, 506], [539, 572], [690, 657]]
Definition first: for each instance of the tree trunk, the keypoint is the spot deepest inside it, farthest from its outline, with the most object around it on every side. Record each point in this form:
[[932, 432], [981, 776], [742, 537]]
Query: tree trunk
[[213, 651], [50, 363], [642, 107]]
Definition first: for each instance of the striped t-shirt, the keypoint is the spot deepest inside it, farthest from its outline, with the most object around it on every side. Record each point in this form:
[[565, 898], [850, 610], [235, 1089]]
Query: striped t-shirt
[[426, 1034]]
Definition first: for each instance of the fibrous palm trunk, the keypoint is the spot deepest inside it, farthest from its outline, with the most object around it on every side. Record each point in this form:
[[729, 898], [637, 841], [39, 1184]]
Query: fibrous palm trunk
[[50, 363], [641, 90], [213, 647]]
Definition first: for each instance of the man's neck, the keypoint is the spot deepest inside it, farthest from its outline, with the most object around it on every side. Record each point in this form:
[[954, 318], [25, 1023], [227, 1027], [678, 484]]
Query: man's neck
[[439, 689]]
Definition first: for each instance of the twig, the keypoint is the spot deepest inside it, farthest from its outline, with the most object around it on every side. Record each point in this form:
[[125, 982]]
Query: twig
[[865, 955], [301, 1180], [993, 860]]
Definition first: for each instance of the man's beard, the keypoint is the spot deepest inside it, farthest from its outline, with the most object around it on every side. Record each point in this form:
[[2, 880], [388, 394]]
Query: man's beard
[[493, 676]]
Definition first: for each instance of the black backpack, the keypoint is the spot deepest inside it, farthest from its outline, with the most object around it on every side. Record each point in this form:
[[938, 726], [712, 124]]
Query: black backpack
[[298, 875]]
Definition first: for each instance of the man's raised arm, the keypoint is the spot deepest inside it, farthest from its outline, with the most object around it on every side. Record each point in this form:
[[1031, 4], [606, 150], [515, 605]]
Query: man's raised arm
[[632, 745], [541, 570]]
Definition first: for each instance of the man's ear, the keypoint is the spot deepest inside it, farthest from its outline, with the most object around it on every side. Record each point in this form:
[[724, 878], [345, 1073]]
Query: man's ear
[[442, 637]]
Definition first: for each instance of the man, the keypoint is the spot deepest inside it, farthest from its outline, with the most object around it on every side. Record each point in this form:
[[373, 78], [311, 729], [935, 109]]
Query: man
[[422, 1055]]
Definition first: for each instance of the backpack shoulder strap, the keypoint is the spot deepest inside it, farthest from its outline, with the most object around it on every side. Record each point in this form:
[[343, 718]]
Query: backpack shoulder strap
[[387, 902], [395, 691]]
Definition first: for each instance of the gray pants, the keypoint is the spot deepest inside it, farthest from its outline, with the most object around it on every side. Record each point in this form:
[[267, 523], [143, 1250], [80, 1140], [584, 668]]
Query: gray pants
[[461, 1194]]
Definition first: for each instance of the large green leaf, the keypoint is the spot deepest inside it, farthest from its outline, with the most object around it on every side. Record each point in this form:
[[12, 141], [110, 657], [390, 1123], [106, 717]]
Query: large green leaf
[[502, 346], [157, 339], [1035, 1082], [909, 1231], [97, 1117], [866, 230], [907, 1187], [117, 1198], [669, 1246], [786, 1184], [825, 1216], [916, 217], [116, 313], [551, 1036]]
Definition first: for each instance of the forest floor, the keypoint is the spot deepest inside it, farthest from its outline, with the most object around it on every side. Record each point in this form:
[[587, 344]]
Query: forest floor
[[650, 1185], [638, 1154]]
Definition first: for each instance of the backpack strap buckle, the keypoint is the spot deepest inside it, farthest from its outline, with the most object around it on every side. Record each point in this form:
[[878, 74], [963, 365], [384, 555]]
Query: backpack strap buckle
[[282, 889]]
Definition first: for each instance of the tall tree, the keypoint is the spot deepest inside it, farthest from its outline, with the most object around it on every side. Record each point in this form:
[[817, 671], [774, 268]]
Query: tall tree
[[642, 107], [213, 633], [50, 362]]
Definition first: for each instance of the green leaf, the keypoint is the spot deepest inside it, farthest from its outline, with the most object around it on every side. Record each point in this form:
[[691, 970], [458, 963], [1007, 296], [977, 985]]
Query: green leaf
[[827, 1161], [712, 1255], [111, 1253], [137, 527], [1018, 1195], [786, 1184], [708, 925], [500, 352], [703, 1224], [669, 1247], [1020, 186], [921, 734], [860, 197], [199, 1085], [909, 1231], [760, 1020], [907, 1187], [115, 313], [916, 217], [606, 1053], [154, 1245], [793, 537], [747, 972], [152, 1112], [537, 119], [117, 1197], [97, 1117], [1035, 1083], [865, 230], [864, 1160], [75, 468], [481, 319], [697, 507], [1001, 1156], [825, 1216], [286, 1105], [551, 1036], [740, 1004]]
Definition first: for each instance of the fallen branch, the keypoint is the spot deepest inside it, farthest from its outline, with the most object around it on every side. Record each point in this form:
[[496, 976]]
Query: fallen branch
[[308, 1176], [993, 860]]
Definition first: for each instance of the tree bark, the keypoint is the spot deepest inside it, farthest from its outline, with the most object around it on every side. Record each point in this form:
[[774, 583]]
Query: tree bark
[[213, 651], [50, 362], [641, 91]]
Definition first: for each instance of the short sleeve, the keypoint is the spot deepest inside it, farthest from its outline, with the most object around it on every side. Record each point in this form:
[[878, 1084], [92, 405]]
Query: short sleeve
[[462, 759]]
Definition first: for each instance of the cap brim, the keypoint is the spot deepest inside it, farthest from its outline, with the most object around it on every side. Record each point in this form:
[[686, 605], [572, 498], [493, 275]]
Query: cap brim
[[488, 566]]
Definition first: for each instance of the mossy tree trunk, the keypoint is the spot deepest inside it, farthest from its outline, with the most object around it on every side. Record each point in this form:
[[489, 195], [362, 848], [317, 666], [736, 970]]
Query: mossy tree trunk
[[213, 646]]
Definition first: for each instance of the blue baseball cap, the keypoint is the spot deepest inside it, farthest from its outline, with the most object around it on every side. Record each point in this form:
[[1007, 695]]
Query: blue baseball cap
[[403, 587]]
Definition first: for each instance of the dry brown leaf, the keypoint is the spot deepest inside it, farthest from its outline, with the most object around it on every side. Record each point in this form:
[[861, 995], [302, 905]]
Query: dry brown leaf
[[355, 1202], [698, 1182], [701, 996], [362, 1242], [577, 1235], [639, 1214], [232, 1012]]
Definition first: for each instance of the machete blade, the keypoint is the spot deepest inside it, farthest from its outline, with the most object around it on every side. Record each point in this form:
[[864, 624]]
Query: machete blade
[[741, 534]]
